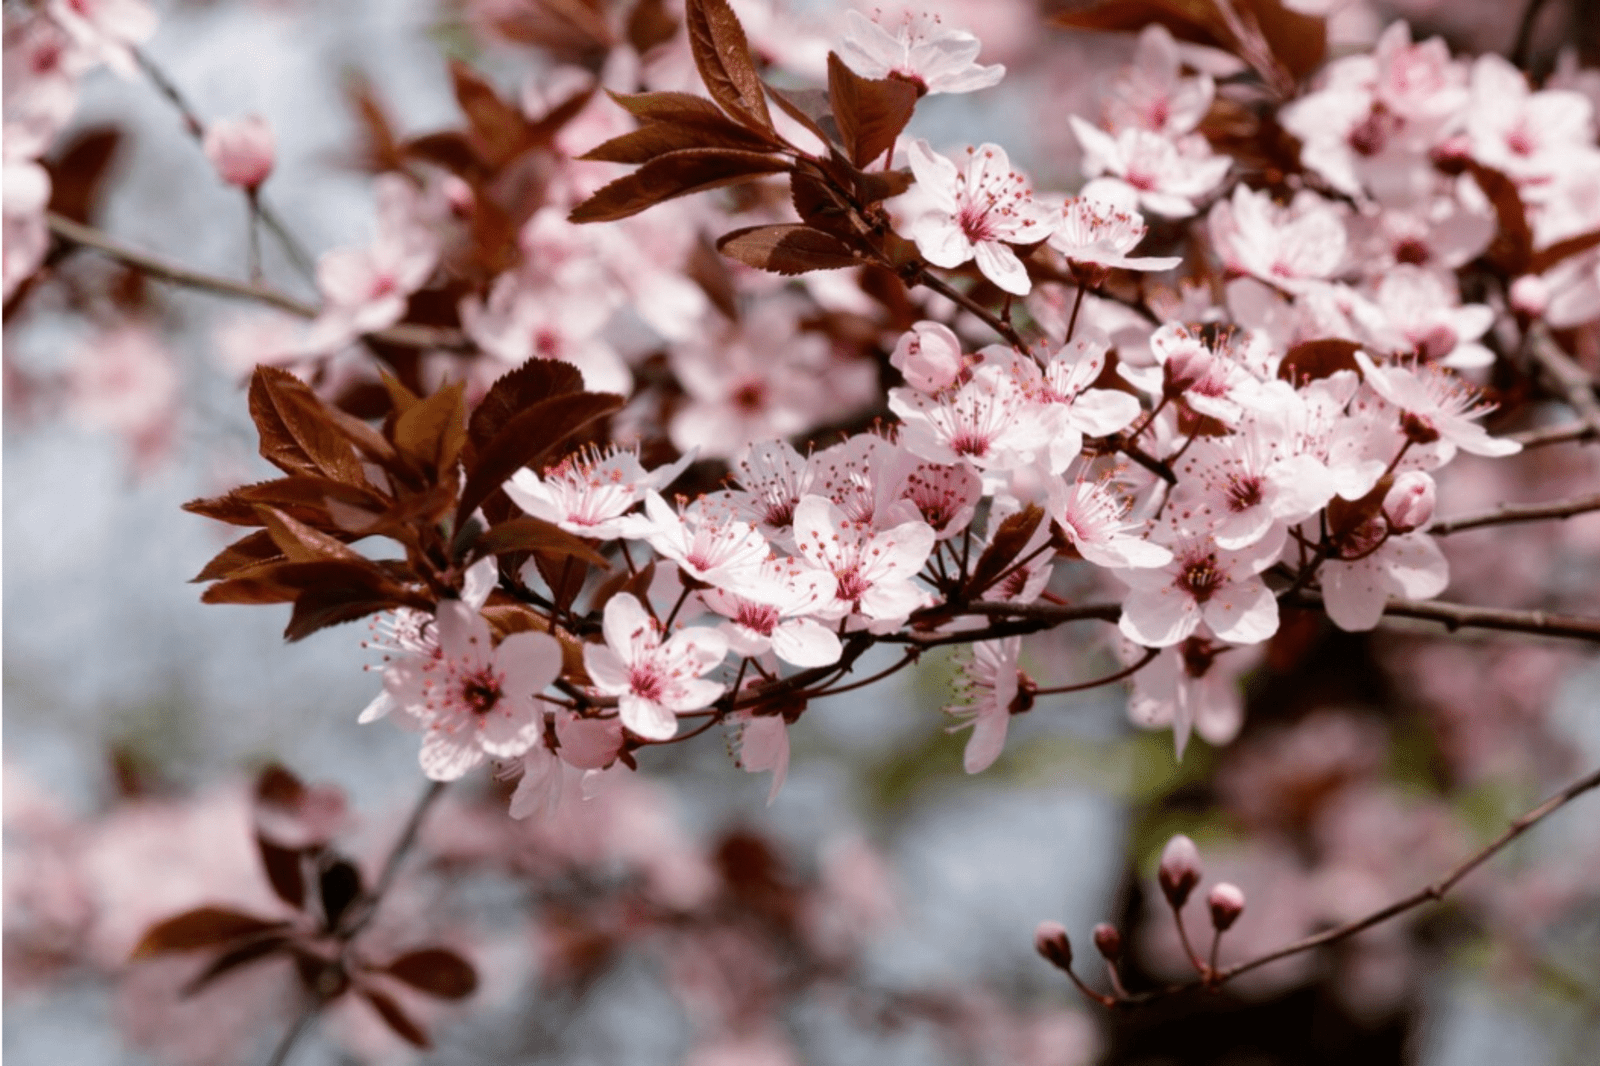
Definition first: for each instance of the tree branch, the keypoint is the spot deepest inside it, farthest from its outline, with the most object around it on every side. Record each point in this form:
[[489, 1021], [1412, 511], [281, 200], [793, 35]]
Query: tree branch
[[1455, 616], [1571, 431], [1431, 893], [405, 335], [993, 321], [1510, 513], [1573, 382]]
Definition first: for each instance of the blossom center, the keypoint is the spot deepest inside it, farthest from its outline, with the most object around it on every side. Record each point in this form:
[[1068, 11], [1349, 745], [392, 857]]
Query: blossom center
[[1201, 578], [647, 683], [480, 692]]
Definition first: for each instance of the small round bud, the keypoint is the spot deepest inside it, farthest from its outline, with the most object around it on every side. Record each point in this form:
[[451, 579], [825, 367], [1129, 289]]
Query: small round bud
[[242, 150], [1050, 940], [1108, 941], [929, 355], [1409, 502], [1530, 295], [1227, 903], [1180, 870]]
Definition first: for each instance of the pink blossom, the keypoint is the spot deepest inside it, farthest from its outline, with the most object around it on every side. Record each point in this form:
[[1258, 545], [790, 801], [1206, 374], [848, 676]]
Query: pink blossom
[[1435, 405], [988, 421], [706, 541], [980, 210], [929, 355], [874, 570], [653, 679], [992, 690], [107, 30], [1093, 515], [1379, 566], [1072, 408], [1169, 177], [242, 150], [25, 191], [1202, 583], [1528, 135], [772, 609], [922, 50], [1150, 94], [944, 495], [1190, 686], [126, 381], [523, 319], [591, 492], [1206, 371], [762, 743], [1416, 313], [1283, 246], [1098, 232]]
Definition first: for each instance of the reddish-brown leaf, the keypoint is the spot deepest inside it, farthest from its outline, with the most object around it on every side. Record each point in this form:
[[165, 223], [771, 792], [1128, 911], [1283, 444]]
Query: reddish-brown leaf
[[202, 927], [397, 1019], [380, 148], [233, 959], [527, 437], [658, 138], [1512, 248], [811, 109], [682, 108], [450, 149], [789, 248], [298, 432], [78, 170], [433, 431], [819, 204], [1546, 258], [282, 866], [302, 544], [529, 534], [672, 175], [499, 129], [1298, 41], [722, 56], [241, 556], [436, 971], [1003, 549], [1311, 360], [277, 786], [516, 391], [317, 609], [870, 112], [650, 24]]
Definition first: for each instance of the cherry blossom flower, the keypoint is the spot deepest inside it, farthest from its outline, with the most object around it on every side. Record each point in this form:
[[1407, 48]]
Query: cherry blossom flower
[[242, 150], [874, 570], [107, 30], [1203, 369], [706, 541], [988, 421], [1202, 583], [1094, 517], [1415, 313], [1379, 565], [929, 355], [25, 192], [1072, 408], [522, 320], [539, 784], [1528, 135], [980, 210], [1151, 94], [1192, 686], [474, 700], [126, 381], [1435, 405], [653, 679], [591, 492], [1283, 246], [945, 495], [771, 477], [1246, 482], [366, 289], [772, 611], [1097, 232], [994, 689], [921, 50], [761, 743], [1169, 177]]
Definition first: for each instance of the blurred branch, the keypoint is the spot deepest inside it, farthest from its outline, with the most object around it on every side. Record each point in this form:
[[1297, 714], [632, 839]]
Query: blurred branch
[[404, 335], [1569, 378], [1432, 893], [1524, 40], [922, 276], [297, 253], [1572, 431], [348, 930], [1508, 514]]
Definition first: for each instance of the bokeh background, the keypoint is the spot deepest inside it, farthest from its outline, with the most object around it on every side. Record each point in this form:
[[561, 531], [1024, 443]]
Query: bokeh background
[[134, 715]]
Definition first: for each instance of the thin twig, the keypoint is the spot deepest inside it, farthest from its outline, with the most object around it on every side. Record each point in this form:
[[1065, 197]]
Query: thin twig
[[298, 256], [1510, 513], [1524, 40], [1574, 383], [994, 322], [402, 847], [1128, 671], [1431, 893], [407, 335], [280, 1054], [1547, 435]]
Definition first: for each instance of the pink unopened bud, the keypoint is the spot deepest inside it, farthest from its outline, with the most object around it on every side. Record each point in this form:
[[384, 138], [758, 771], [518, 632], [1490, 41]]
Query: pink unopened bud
[[929, 355], [1108, 941], [1227, 903], [242, 150], [1409, 502], [1050, 940], [1180, 870], [1530, 295]]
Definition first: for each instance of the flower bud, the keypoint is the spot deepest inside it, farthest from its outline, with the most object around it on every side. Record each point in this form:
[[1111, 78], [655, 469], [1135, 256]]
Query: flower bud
[[1050, 940], [1227, 903], [1108, 941], [1180, 870], [929, 355], [242, 150], [1530, 295], [1409, 503]]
